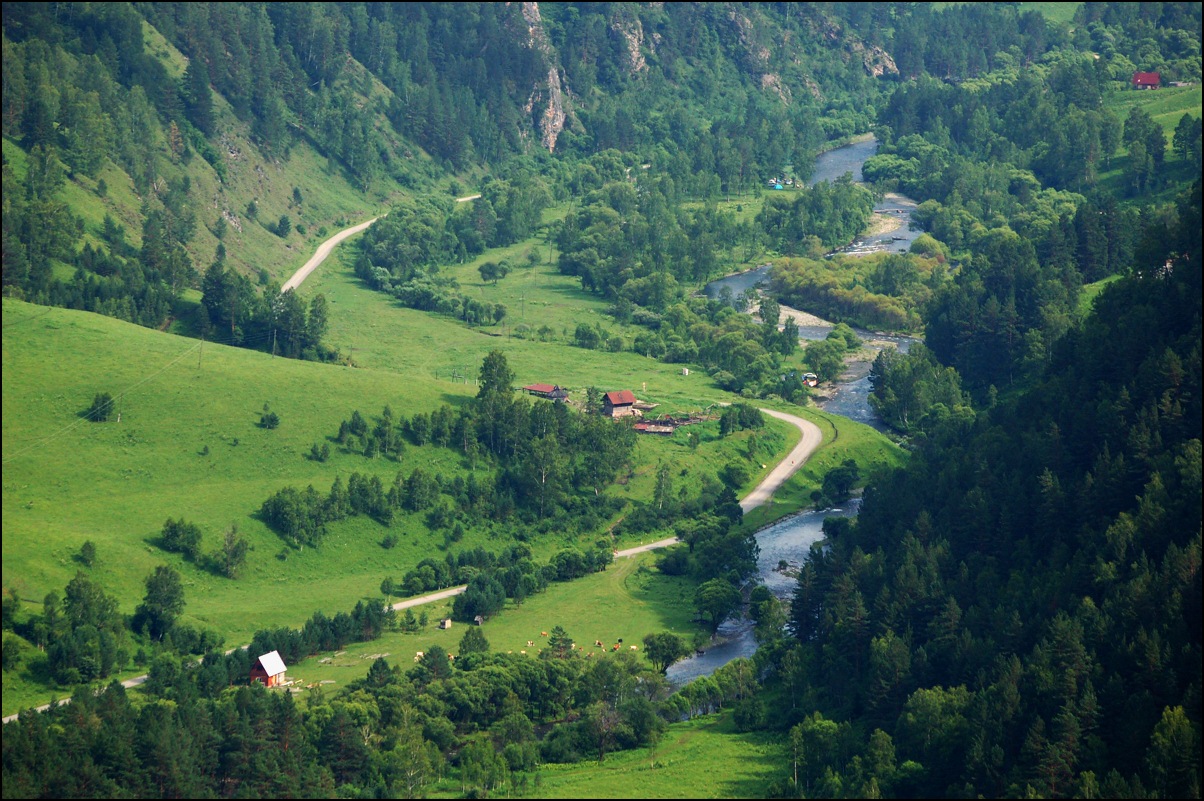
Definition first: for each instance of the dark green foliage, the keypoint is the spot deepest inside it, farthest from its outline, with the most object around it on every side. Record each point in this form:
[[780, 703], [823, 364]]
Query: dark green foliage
[[163, 603], [473, 641], [269, 420], [664, 649], [838, 485], [985, 609], [913, 391], [835, 212], [233, 553], [103, 407], [11, 654], [181, 537], [87, 553], [715, 600]]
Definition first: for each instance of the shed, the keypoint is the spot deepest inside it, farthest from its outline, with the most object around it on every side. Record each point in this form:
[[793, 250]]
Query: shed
[[1147, 80], [542, 390], [480, 621], [553, 392], [445, 623], [619, 404], [268, 669]]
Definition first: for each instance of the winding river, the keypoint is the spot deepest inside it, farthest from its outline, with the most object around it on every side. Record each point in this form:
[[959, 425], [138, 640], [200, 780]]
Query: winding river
[[791, 538]]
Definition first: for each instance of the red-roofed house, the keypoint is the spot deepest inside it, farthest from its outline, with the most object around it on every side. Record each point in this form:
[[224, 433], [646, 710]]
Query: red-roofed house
[[619, 404], [1146, 80], [268, 669]]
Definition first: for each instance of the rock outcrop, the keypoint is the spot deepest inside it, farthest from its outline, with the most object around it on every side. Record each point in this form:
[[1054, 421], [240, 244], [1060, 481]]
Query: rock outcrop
[[549, 94]]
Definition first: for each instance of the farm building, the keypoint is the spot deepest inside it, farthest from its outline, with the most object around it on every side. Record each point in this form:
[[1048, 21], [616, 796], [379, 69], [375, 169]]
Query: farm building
[[1147, 80], [445, 623], [553, 392], [268, 669], [619, 404]]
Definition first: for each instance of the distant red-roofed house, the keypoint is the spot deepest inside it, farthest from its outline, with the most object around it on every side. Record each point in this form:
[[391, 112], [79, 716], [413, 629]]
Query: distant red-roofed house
[[619, 404], [268, 669], [1146, 80]]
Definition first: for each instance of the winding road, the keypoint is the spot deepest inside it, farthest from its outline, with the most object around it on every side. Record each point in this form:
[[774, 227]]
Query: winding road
[[760, 495], [321, 253]]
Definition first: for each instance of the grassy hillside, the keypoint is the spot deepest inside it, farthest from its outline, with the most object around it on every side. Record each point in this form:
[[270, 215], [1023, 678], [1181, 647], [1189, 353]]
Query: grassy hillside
[[1166, 106], [188, 445]]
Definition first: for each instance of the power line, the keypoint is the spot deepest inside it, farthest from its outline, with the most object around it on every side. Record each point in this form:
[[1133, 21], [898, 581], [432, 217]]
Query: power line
[[85, 419]]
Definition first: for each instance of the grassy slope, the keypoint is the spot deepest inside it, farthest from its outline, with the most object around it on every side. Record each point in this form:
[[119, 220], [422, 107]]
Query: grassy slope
[[702, 758], [66, 481], [1166, 106], [628, 600]]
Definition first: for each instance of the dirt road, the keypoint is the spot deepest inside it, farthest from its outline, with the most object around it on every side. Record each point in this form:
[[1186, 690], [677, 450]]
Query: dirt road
[[321, 253], [760, 494], [812, 438]]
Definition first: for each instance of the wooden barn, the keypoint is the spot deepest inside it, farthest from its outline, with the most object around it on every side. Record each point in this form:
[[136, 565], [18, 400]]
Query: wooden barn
[[268, 669], [1147, 80], [619, 404], [553, 392]]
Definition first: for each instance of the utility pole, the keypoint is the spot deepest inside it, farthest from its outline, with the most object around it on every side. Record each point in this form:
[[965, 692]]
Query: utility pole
[[200, 352], [273, 343]]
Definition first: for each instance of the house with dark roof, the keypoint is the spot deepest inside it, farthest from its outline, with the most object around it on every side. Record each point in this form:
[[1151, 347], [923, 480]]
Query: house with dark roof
[[619, 404], [1147, 80], [553, 392], [268, 669]]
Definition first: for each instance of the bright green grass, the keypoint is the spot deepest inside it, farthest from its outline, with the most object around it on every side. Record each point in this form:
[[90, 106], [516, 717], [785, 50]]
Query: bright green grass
[[67, 480], [1091, 292], [702, 758], [627, 600], [1166, 106], [843, 439], [385, 335], [1054, 12]]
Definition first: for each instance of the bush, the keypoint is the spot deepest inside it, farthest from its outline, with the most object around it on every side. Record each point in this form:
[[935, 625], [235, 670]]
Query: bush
[[269, 420], [102, 408]]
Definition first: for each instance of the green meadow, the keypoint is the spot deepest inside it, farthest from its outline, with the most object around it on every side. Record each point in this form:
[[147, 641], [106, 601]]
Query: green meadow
[[701, 758], [626, 601], [189, 446], [1166, 106]]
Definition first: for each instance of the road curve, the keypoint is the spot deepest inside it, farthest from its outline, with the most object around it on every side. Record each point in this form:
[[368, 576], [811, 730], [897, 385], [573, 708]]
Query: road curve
[[321, 253], [798, 456], [758, 497]]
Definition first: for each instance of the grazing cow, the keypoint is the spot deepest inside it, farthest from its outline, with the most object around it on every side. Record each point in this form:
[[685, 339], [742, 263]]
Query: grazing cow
[[589, 655], [419, 654], [633, 647], [598, 643], [614, 647], [530, 643], [522, 652], [620, 641], [543, 634]]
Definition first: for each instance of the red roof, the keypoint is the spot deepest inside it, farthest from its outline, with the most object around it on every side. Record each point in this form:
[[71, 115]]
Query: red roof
[[621, 398], [543, 389], [1147, 79]]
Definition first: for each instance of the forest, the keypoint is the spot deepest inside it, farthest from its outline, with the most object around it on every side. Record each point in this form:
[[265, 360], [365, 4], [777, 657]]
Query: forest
[[1016, 611]]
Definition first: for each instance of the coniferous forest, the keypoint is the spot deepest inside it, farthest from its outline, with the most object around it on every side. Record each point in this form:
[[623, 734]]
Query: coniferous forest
[[1016, 611]]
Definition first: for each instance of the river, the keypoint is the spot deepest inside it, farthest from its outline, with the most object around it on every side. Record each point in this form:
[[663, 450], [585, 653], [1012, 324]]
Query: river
[[791, 538]]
